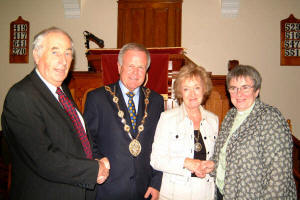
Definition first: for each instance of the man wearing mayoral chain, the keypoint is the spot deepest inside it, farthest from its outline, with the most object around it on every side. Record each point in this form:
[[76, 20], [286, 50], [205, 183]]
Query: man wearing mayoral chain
[[122, 118]]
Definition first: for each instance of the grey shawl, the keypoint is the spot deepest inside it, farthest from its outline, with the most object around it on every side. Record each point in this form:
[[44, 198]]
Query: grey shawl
[[258, 155]]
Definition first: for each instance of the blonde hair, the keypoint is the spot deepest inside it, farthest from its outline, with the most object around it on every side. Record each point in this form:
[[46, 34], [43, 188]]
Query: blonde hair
[[192, 71]]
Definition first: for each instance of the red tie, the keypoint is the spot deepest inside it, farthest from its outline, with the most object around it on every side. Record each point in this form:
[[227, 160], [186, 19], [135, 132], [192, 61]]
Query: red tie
[[71, 111]]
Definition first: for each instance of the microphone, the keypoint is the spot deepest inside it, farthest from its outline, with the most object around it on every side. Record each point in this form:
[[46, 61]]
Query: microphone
[[90, 36]]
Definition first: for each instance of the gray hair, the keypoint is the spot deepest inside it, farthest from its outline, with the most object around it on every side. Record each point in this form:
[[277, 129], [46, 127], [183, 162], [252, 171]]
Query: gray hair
[[136, 47], [39, 38], [245, 71]]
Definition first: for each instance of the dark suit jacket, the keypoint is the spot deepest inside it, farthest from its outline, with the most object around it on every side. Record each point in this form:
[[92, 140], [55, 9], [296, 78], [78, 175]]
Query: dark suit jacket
[[48, 161], [129, 176]]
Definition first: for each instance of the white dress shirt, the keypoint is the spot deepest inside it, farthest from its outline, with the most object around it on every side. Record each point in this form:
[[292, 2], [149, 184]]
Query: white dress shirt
[[53, 89]]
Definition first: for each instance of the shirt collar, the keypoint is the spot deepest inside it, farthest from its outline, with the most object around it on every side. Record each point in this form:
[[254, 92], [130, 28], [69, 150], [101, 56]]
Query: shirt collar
[[51, 87], [125, 89], [246, 112]]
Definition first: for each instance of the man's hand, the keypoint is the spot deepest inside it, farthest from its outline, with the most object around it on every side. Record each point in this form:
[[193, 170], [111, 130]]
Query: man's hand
[[103, 172], [106, 162], [154, 193]]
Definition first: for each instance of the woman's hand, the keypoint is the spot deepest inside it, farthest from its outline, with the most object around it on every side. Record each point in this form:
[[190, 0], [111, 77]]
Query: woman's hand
[[199, 167]]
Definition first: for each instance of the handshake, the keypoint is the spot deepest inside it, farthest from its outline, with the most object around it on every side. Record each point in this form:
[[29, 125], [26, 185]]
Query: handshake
[[199, 167], [103, 172]]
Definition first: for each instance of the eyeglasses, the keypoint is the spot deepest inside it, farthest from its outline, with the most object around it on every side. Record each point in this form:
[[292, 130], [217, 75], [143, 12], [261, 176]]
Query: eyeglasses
[[245, 89]]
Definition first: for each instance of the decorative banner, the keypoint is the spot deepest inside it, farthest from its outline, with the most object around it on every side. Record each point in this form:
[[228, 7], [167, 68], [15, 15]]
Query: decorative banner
[[19, 41], [290, 41]]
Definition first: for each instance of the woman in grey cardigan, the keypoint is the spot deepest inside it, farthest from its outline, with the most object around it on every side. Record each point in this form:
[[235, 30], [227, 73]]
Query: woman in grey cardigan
[[253, 152]]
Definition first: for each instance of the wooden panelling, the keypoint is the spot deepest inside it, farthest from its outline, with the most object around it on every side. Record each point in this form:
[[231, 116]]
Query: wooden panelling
[[80, 83], [218, 101], [152, 23]]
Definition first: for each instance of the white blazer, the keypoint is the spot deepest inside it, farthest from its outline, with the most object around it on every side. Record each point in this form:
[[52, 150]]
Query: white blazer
[[173, 142]]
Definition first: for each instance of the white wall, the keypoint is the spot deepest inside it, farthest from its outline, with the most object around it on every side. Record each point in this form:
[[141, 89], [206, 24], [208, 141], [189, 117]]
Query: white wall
[[210, 39], [253, 38]]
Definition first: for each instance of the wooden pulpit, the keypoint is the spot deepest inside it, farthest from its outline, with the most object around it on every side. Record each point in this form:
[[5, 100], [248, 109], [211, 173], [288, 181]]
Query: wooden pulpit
[[165, 63]]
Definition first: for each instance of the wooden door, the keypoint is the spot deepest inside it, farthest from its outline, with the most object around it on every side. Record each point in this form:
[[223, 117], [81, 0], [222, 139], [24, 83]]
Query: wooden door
[[153, 23]]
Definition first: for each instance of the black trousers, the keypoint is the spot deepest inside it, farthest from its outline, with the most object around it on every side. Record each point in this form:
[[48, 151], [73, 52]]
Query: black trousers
[[219, 195]]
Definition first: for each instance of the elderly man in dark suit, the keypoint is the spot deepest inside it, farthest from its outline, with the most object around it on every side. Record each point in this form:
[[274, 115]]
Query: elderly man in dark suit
[[50, 148], [122, 118]]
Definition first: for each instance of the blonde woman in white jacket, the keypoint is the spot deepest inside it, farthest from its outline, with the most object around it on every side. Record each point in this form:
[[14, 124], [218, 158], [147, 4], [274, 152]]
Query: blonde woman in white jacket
[[184, 140]]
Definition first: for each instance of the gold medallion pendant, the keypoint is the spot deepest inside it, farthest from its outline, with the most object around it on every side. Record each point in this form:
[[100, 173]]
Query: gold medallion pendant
[[135, 147], [197, 147]]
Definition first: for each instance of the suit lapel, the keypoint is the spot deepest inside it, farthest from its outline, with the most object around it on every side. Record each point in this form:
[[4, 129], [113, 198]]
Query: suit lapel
[[122, 104], [48, 96], [141, 109], [123, 107], [53, 102]]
